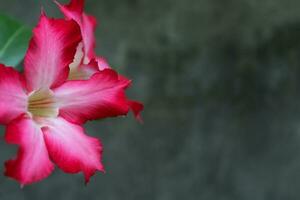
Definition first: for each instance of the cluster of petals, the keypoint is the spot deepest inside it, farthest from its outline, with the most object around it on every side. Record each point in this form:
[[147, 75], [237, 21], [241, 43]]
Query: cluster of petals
[[64, 84]]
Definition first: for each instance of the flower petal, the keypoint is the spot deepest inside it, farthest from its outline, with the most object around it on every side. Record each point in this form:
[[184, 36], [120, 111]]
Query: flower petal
[[80, 71], [73, 9], [71, 149], [87, 23], [13, 98], [50, 52], [136, 108], [103, 95], [32, 163], [102, 63]]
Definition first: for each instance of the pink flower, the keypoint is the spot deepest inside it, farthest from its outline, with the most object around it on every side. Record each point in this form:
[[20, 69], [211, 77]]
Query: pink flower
[[85, 62], [44, 111]]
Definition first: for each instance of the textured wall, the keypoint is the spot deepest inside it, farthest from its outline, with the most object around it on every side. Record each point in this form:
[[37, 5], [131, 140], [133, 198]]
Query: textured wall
[[220, 81]]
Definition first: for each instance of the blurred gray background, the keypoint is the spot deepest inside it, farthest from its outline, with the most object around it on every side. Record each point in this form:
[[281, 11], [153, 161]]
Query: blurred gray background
[[220, 83]]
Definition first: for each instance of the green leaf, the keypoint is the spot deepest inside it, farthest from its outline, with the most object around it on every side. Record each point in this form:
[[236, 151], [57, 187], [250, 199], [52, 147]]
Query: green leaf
[[14, 39]]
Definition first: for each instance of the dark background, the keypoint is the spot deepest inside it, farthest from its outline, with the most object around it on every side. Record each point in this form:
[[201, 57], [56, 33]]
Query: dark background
[[220, 84]]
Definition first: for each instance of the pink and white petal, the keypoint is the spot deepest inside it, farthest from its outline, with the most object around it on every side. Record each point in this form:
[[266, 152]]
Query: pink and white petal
[[71, 149], [87, 23], [102, 63], [50, 52], [78, 58], [83, 71], [103, 95], [32, 163], [13, 98]]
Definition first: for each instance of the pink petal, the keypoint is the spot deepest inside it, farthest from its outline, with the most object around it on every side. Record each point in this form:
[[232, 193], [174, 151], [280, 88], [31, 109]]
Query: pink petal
[[101, 96], [13, 98], [80, 71], [50, 52], [136, 108], [71, 149], [32, 163], [102, 63], [87, 24]]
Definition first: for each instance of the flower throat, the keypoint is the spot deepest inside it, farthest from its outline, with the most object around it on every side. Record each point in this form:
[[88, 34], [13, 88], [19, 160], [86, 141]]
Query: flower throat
[[41, 103]]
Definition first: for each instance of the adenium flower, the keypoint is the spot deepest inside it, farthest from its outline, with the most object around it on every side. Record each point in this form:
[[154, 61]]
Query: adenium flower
[[44, 110], [86, 62]]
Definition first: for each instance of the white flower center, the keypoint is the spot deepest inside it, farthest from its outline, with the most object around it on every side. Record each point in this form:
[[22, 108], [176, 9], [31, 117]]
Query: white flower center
[[41, 103]]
